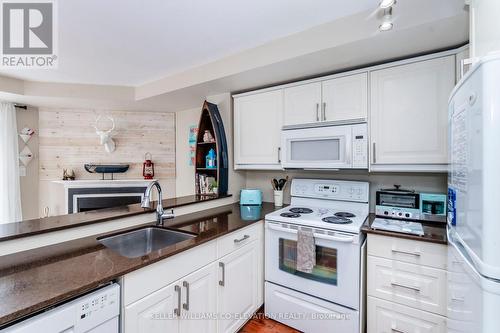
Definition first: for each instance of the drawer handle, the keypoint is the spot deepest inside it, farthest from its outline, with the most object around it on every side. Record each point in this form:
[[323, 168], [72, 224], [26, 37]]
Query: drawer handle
[[416, 254], [244, 238], [458, 299], [395, 330], [394, 284]]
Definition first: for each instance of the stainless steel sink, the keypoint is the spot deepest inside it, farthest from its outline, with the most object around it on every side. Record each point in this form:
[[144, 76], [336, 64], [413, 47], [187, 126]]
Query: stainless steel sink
[[140, 242]]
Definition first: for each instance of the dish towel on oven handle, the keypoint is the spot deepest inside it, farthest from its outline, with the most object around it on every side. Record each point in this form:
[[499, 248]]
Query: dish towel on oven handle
[[306, 251]]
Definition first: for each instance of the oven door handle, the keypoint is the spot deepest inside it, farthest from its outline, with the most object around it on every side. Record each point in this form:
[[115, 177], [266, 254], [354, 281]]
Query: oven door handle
[[343, 239]]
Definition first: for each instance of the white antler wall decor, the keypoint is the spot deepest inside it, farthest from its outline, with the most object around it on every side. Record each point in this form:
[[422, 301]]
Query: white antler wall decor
[[105, 136]]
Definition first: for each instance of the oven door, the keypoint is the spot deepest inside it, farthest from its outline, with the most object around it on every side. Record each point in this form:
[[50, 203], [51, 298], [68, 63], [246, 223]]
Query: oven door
[[335, 277], [317, 148]]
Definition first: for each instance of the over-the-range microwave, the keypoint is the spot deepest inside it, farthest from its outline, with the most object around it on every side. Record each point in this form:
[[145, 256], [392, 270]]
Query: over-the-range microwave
[[329, 147]]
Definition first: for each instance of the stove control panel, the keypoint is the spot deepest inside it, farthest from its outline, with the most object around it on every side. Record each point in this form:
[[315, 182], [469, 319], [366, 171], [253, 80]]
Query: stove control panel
[[330, 189]]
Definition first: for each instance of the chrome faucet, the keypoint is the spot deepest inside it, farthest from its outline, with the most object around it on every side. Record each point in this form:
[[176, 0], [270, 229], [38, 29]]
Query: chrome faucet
[[146, 201]]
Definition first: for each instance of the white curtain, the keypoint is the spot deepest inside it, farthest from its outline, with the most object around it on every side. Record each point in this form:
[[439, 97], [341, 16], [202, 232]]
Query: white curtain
[[10, 189]]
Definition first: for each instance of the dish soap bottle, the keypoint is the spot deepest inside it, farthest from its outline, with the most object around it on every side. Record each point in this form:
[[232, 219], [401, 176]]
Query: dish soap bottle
[[210, 159]]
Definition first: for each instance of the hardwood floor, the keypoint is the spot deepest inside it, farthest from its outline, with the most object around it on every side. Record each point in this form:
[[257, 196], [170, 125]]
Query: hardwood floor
[[260, 324]]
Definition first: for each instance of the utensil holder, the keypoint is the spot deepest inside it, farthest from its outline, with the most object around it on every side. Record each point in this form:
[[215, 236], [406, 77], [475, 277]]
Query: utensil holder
[[278, 198]]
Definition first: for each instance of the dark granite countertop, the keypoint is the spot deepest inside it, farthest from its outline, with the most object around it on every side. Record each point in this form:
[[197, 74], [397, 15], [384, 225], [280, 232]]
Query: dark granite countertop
[[433, 232], [34, 280], [53, 223]]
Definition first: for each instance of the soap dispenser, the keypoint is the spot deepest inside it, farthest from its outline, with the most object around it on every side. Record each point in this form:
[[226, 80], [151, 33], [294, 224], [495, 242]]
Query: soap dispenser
[[210, 159]]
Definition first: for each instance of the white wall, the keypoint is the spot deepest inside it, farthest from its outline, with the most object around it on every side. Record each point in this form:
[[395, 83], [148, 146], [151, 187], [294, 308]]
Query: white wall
[[484, 27], [184, 172], [422, 182]]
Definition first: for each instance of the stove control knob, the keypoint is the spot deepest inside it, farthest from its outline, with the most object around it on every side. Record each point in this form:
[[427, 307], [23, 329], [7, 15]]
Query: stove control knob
[[386, 213]]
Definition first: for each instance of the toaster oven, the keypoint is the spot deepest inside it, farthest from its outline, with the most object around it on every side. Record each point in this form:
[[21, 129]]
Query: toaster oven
[[398, 203]]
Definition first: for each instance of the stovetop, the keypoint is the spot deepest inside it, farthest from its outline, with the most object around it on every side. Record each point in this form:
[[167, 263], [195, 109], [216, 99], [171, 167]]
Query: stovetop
[[332, 218]]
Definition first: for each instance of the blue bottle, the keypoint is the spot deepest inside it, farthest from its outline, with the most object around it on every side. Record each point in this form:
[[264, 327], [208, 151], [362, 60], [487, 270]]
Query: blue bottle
[[210, 159]]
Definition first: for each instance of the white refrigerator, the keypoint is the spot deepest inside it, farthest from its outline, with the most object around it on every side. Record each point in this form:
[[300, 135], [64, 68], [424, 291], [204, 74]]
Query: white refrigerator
[[474, 200]]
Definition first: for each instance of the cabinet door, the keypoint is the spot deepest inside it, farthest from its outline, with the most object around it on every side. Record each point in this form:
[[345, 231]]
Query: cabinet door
[[238, 287], [345, 98], [155, 312], [199, 301], [302, 104], [409, 112], [257, 129]]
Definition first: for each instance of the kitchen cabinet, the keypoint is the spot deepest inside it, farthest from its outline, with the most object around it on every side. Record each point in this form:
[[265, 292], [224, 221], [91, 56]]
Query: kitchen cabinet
[[345, 98], [258, 119], [408, 117], [155, 312], [199, 300], [302, 104], [406, 285], [239, 286], [177, 295]]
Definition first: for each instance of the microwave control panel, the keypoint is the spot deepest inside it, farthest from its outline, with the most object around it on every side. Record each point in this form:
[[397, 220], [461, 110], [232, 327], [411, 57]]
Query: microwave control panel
[[359, 146]]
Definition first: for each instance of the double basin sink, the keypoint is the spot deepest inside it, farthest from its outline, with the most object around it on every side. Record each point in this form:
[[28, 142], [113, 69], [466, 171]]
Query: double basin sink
[[140, 242]]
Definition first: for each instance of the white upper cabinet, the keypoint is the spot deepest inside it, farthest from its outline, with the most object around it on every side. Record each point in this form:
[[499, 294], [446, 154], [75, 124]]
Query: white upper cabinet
[[302, 104], [408, 115], [258, 119], [345, 98]]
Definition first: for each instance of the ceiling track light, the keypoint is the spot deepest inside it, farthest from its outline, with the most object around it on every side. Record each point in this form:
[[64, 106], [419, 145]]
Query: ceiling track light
[[386, 20], [386, 3]]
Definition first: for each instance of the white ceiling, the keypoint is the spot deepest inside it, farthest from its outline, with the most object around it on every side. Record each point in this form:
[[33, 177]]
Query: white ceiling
[[130, 42]]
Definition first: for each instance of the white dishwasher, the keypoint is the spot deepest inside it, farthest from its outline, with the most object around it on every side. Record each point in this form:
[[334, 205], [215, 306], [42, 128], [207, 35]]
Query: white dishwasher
[[97, 312]]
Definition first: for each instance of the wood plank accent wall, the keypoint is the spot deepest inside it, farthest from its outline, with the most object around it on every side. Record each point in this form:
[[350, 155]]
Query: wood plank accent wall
[[68, 140]]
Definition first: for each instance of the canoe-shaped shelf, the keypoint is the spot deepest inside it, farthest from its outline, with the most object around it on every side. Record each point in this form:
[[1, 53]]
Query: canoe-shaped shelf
[[209, 179]]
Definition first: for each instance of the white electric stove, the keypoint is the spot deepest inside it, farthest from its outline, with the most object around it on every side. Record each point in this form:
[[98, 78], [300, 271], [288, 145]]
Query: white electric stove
[[330, 297]]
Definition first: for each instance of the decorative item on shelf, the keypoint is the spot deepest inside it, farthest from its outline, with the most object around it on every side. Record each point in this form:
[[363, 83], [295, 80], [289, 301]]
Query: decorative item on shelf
[[212, 187], [106, 169], [68, 174], [148, 167], [210, 159], [208, 137], [25, 156], [26, 134], [105, 136]]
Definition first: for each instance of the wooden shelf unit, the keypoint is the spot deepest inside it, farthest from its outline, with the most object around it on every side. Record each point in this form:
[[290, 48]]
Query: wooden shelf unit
[[211, 120]]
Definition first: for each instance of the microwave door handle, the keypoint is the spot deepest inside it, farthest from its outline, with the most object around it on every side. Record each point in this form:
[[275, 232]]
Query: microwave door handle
[[343, 239]]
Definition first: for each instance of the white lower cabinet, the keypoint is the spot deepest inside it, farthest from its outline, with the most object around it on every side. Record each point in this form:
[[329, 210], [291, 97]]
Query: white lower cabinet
[[183, 306], [238, 287], [217, 297], [406, 286], [155, 312], [389, 317]]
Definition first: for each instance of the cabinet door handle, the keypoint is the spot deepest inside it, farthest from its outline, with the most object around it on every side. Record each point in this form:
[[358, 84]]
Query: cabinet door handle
[[394, 284], [279, 154], [324, 111], [416, 254], [223, 281], [374, 153], [317, 111], [185, 306], [237, 241], [177, 311]]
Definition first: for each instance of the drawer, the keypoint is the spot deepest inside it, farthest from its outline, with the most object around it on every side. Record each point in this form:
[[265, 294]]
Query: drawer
[[237, 239], [407, 250], [420, 287], [389, 317]]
